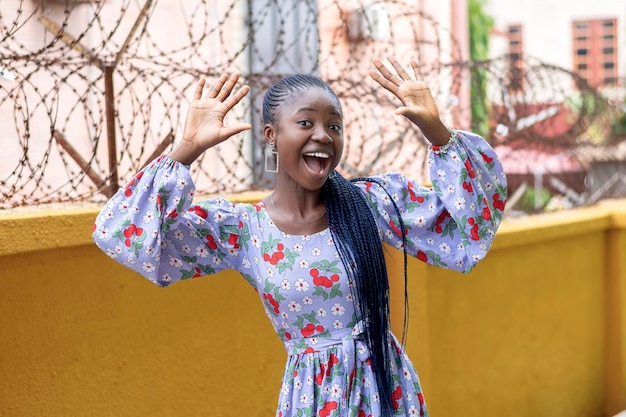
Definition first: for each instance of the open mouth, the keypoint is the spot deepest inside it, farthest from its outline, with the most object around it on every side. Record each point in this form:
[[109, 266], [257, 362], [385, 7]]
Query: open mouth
[[317, 161]]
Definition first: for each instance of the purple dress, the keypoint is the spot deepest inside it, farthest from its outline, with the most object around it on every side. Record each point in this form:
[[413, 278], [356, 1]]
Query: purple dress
[[153, 227]]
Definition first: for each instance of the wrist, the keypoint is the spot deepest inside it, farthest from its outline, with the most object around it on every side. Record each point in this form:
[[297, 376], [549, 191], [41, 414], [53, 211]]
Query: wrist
[[186, 152], [437, 134]]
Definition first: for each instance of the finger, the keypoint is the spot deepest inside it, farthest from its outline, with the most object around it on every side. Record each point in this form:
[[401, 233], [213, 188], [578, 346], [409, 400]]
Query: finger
[[387, 85], [236, 98], [417, 70], [399, 68], [384, 71], [227, 86], [197, 95], [238, 128], [217, 87]]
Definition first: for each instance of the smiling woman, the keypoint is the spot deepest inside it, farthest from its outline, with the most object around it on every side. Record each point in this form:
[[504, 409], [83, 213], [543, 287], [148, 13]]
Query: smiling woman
[[312, 249]]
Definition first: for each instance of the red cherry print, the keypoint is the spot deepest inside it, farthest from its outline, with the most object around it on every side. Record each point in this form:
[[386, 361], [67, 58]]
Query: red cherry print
[[127, 243], [422, 256], [319, 328], [128, 233], [266, 257], [93, 228], [280, 246], [287, 335], [474, 234], [438, 229], [486, 213], [200, 212], [128, 192], [139, 231], [471, 220], [279, 255], [232, 239], [174, 214], [334, 277], [486, 158], [314, 272]]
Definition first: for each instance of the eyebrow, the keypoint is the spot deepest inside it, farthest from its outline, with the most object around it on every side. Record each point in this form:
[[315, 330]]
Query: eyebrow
[[304, 109]]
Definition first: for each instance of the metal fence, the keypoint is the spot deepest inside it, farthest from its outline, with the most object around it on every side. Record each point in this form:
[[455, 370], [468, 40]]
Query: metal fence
[[90, 91]]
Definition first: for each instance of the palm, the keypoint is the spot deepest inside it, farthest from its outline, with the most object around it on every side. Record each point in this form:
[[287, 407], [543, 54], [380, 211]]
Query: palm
[[204, 125], [418, 104]]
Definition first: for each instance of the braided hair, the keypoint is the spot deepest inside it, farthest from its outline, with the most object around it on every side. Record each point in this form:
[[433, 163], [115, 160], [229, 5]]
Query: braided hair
[[355, 233]]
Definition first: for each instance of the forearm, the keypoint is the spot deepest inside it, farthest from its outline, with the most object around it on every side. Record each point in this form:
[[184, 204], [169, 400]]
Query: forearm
[[186, 152]]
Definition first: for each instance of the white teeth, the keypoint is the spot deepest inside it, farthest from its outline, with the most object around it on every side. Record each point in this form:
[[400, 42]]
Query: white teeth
[[318, 155]]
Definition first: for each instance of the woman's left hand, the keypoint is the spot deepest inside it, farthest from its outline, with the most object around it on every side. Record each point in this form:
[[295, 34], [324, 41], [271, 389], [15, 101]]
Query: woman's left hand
[[418, 103]]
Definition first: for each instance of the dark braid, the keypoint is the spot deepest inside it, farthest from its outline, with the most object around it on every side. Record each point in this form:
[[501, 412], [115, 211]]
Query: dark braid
[[355, 233]]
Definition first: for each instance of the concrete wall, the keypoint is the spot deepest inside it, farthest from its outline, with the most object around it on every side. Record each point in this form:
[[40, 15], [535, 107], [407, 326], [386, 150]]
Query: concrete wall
[[537, 329]]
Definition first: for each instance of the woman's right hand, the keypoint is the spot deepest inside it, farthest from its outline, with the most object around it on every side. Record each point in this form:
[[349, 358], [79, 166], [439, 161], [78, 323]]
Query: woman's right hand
[[204, 125]]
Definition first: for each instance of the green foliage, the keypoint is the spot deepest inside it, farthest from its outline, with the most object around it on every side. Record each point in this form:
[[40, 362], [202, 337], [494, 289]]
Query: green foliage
[[480, 26], [531, 197]]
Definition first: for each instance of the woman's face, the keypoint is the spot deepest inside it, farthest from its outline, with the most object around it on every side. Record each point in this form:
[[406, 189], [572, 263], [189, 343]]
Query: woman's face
[[308, 137]]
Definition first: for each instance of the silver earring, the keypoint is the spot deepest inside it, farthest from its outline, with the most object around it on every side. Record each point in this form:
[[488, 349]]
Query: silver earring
[[271, 158]]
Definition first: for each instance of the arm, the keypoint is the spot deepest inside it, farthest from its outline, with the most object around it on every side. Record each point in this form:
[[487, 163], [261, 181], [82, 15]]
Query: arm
[[151, 225]]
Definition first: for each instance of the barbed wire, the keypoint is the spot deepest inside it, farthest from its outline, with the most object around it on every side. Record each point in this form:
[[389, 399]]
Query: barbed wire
[[91, 91]]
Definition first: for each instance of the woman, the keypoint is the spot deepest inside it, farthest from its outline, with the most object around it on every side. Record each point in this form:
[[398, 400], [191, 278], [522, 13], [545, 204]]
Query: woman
[[312, 249]]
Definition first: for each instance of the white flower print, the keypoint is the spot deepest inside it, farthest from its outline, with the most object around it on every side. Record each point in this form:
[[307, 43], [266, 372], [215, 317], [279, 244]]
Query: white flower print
[[451, 189], [459, 203], [181, 183], [255, 241], [294, 306], [349, 298], [269, 272], [445, 248], [304, 399], [309, 380], [186, 248], [219, 217], [337, 325], [305, 238], [215, 260], [488, 186], [338, 310], [112, 253], [432, 207], [178, 235], [375, 397], [118, 249], [302, 285], [175, 262], [176, 199], [441, 174], [285, 285], [123, 206], [460, 263], [103, 233], [285, 315], [136, 209], [166, 278], [297, 383], [286, 406], [245, 262], [202, 251], [326, 390], [307, 301], [149, 250], [154, 234], [131, 260], [285, 389], [472, 206], [430, 241], [321, 312], [330, 241], [148, 217], [389, 234], [413, 411], [109, 215], [316, 252], [336, 391], [148, 267], [460, 247], [297, 247], [407, 374], [192, 233], [232, 251], [304, 264]]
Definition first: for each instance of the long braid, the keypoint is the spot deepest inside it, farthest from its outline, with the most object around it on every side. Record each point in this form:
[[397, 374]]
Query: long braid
[[355, 234]]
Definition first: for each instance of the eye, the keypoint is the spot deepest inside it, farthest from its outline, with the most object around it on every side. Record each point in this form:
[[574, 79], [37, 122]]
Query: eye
[[336, 127], [305, 123]]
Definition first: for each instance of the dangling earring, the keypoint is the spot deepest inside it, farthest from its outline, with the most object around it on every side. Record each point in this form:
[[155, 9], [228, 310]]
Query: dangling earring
[[271, 158]]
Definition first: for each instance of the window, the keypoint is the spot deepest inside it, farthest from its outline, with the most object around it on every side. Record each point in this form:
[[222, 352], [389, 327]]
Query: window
[[595, 46], [516, 58]]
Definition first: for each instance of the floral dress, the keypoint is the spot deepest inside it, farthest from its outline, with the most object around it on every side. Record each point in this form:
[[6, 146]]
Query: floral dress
[[153, 227]]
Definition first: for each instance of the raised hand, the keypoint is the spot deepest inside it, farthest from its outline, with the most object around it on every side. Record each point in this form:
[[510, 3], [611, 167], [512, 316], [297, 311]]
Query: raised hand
[[418, 103], [204, 125]]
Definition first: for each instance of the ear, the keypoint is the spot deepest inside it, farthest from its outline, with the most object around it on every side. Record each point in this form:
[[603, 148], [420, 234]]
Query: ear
[[269, 132]]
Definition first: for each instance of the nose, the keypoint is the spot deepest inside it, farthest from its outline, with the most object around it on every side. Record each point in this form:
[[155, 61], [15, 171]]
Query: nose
[[322, 135]]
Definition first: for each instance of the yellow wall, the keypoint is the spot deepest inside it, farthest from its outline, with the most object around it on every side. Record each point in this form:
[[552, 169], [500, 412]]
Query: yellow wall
[[537, 329]]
